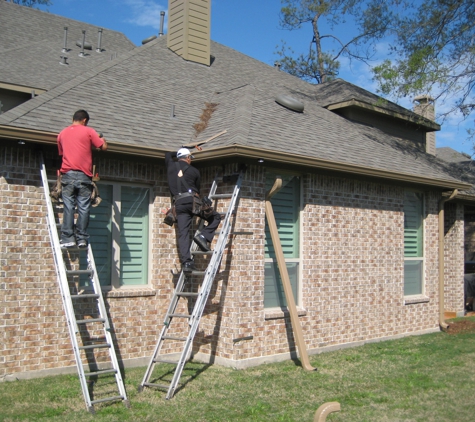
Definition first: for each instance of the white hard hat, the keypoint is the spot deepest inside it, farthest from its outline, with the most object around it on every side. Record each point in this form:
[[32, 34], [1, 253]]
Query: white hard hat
[[183, 153]]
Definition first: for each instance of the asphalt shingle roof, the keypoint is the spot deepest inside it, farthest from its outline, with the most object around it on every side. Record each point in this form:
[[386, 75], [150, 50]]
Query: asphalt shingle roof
[[31, 44], [151, 97]]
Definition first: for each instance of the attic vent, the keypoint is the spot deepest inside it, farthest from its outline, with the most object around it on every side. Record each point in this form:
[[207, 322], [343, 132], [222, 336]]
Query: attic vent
[[290, 103], [146, 40]]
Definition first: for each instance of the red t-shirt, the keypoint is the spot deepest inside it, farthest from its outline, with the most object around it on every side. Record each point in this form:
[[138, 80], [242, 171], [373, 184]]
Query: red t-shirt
[[75, 144]]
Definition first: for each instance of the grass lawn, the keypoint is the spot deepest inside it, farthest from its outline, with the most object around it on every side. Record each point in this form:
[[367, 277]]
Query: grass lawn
[[420, 378]]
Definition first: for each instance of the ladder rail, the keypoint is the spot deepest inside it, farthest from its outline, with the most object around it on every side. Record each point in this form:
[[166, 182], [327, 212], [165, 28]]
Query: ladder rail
[[63, 285], [107, 327]]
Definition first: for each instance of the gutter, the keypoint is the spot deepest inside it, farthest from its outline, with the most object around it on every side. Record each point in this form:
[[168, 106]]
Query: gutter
[[443, 325], [247, 153]]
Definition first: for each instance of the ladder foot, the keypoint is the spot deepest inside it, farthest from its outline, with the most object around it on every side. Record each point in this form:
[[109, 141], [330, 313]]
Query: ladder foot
[[127, 404], [91, 410]]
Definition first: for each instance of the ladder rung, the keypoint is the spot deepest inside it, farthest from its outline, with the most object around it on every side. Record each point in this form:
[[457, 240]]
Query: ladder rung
[[179, 316], [187, 294], [172, 362], [84, 296], [94, 346], [150, 384], [196, 273], [101, 371], [201, 252], [221, 195], [78, 272], [87, 321], [107, 399], [174, 338]]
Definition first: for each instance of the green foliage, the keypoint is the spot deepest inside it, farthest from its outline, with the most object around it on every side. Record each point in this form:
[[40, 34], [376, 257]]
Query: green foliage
[[31, 3], [434, 52], [321, 62]]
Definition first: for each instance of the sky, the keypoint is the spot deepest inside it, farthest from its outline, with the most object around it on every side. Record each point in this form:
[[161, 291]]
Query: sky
[[248, 26]]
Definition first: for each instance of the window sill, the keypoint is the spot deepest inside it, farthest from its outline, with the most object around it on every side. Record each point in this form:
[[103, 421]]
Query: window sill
[[129, 292], [279, 313], [411, 300]]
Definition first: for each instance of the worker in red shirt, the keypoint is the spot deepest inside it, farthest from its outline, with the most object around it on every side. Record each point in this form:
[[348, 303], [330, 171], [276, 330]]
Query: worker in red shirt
[[75, 144]]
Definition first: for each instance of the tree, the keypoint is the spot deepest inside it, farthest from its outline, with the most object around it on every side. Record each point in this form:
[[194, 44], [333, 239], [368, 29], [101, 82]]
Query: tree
[[434, 50], [31, 3], [321, 63]]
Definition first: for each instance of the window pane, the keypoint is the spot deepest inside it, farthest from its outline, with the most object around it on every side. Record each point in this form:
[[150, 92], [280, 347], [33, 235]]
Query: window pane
[[274, 291], [134, 236], [412, 278], [100, 237]]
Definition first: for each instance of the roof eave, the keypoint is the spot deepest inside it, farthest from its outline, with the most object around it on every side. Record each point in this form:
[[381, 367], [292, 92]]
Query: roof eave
[[247, 153], [415, 118]]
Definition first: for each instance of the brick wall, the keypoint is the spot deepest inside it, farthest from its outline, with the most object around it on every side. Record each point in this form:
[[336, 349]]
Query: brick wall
[[351, 260]]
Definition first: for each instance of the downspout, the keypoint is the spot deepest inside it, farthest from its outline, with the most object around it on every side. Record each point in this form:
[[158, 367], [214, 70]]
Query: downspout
[[443, 325]]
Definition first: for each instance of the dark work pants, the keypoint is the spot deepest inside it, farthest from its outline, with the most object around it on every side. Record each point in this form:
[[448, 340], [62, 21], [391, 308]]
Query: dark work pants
[[184, 218], [76, 191]]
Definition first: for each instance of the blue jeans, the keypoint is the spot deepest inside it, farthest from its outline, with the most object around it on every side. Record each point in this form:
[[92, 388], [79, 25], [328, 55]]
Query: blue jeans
[[76, 191]]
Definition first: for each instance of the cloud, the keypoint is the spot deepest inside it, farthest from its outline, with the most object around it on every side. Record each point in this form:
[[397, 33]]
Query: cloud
[[144, 12]]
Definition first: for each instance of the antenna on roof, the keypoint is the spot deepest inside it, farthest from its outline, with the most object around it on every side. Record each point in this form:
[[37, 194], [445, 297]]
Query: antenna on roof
[[65, 43], [81, 54], [162, 17], [99, 41]]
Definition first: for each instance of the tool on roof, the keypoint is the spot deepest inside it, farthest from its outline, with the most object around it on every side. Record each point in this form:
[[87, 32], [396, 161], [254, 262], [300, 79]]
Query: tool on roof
[[198, 144]]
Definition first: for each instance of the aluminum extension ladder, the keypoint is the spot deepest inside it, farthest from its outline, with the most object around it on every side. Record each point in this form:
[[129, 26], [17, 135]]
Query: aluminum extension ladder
[[72, 301], [201, 296]]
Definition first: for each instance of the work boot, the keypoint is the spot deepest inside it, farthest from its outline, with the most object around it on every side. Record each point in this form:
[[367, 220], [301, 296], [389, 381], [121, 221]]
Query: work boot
[[189, 266], [202, 243]]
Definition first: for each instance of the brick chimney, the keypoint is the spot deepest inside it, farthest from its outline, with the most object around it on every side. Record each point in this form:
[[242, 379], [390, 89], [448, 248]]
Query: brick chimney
[[189, 29], [425, 107]]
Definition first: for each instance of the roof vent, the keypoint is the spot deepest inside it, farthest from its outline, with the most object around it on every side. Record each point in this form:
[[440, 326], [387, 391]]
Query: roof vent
[[99, 41], [162, 17], [83, 44], [290, 103], [65, 44], [64, 60], [146, 40]]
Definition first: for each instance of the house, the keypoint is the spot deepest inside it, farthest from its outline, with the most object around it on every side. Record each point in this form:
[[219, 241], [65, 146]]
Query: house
[[359, 214]]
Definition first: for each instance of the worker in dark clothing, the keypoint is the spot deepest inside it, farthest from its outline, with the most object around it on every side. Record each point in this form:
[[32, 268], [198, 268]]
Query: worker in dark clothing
[[184, 181]]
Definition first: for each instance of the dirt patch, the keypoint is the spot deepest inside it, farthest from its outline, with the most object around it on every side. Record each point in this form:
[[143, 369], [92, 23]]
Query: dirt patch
[[462, 325]]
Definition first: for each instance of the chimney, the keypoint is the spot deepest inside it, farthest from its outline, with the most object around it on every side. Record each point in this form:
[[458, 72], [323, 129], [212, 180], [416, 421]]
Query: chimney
[[425, 107], [189, 29]]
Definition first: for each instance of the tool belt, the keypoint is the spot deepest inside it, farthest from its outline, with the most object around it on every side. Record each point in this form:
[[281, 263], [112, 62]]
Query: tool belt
[[183, 195]]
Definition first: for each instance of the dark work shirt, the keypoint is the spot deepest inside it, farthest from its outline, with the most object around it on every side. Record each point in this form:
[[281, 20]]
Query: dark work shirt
[[191, 175]]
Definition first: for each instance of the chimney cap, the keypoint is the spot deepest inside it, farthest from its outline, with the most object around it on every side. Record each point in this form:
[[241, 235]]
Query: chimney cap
[[424, 98]]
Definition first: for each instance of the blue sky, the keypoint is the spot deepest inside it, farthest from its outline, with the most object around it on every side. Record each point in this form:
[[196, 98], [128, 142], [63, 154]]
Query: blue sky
[[248, 26]]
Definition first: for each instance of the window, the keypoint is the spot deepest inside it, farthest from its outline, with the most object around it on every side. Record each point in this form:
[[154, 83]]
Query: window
[[118, 230], [413, 243], [286, 206]]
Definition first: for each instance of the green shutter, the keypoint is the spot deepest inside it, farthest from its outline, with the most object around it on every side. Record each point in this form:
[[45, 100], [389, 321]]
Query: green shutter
[[134, 236], [413, 224], [286, 207], [413, 243], [100, 236]]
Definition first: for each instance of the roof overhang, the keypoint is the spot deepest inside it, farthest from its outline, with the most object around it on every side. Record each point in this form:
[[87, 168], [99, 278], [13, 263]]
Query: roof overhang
[[248, 155], [412, 118], [22, 88]]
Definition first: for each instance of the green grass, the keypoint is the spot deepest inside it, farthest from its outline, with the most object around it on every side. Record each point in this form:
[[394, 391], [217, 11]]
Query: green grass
[[421, 378]]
